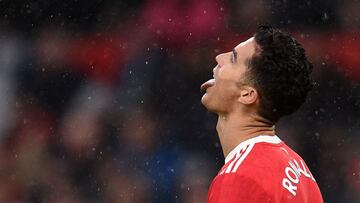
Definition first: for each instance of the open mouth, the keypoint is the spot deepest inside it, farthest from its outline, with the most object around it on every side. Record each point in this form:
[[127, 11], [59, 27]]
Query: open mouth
[[207, 84]]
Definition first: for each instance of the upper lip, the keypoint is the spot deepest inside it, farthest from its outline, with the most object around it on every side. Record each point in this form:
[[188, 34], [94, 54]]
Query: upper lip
[[214, 70]]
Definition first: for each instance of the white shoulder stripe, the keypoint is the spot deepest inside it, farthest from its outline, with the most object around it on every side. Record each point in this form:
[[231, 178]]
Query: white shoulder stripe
[[237, 159], [242, 157], [228, 169], [240, 154]]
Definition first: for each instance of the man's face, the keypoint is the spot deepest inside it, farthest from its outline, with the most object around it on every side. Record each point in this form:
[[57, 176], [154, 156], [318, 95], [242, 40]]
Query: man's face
[[223, 91]]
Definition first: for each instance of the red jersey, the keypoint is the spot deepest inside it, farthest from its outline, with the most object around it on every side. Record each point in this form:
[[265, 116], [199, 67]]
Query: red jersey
[[264, 169]]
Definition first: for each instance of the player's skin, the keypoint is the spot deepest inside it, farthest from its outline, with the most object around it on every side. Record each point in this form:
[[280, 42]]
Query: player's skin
[[234, 100]]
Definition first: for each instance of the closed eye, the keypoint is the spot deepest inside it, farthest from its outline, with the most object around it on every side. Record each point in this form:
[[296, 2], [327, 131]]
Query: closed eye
[[234, 56]]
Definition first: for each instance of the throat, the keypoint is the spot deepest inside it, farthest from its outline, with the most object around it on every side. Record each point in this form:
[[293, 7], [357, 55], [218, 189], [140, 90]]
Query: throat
[[234, 130]]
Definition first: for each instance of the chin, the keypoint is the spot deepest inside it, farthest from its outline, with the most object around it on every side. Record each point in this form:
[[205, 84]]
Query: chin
[[205, 100]]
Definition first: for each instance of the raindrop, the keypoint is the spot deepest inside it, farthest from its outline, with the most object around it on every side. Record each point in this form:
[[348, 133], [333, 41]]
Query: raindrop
[[325, 16]]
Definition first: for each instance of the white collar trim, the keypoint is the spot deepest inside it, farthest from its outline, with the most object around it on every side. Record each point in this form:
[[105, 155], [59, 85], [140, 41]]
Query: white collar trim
[[261, 138]]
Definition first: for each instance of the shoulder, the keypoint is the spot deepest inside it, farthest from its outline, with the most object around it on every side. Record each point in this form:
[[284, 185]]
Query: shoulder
[[264, 171], [262, 164]]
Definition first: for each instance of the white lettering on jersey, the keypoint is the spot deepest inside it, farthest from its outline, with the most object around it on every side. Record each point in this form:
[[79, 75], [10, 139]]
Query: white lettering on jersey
[[289, 186], [293, 172]]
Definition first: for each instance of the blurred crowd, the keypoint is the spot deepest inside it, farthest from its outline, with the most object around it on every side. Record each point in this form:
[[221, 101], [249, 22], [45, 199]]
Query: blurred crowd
[[100, 100]]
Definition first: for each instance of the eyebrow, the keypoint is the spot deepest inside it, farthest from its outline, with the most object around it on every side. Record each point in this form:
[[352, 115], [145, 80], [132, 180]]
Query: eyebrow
[[235, 55]]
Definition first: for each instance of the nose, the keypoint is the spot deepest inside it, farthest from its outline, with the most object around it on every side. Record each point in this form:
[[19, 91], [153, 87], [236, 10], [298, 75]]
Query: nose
[[218, 59]]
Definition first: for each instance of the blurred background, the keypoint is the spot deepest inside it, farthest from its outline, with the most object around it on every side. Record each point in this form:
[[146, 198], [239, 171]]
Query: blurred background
[[100, 100]]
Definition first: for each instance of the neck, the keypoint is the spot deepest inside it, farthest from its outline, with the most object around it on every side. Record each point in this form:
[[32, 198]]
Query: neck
[[235, 128]]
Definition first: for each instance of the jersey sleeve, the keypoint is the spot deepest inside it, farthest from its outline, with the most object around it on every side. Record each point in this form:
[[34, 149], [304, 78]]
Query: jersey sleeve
[[231, 188]]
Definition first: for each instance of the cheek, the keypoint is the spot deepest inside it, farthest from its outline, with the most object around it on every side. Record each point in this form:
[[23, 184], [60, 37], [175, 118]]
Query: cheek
[[226, 91], [230, 73], [227, 82], [224, 73]]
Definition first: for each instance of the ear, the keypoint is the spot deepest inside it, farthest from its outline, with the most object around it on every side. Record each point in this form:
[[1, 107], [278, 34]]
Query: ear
[[248, 95]]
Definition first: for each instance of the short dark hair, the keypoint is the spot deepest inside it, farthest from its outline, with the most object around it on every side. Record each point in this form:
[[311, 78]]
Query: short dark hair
[[280, 71]]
